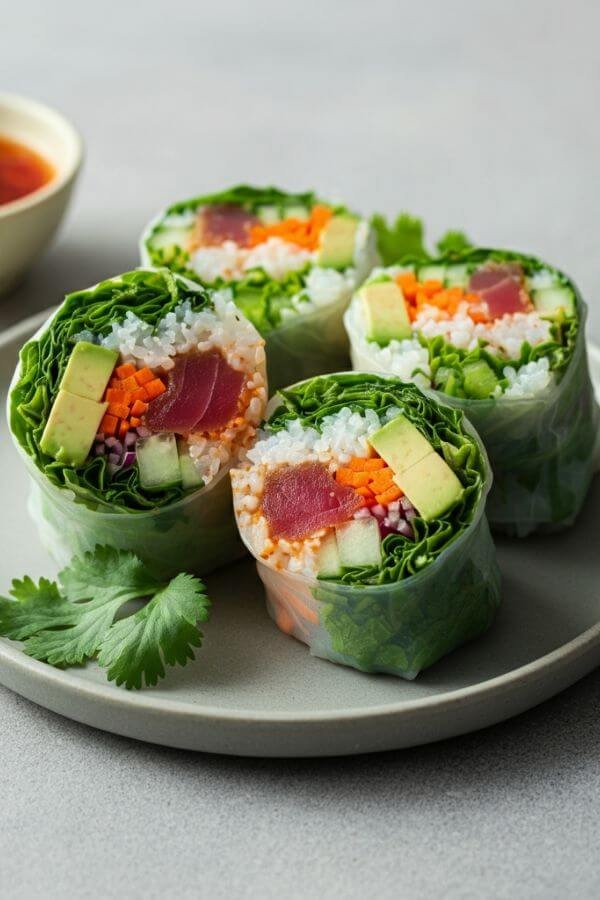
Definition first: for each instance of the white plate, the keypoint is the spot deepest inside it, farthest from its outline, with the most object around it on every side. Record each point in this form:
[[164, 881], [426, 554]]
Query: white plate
[[254, 691]]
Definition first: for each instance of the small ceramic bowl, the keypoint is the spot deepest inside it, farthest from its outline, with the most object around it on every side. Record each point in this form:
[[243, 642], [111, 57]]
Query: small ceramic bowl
[[28, 224]]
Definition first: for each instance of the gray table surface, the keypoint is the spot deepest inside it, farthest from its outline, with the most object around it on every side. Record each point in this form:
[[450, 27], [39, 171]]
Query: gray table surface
[[475, 115]]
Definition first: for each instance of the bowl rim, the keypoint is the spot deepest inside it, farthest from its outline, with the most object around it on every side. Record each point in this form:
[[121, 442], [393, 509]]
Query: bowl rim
[[53, 119]]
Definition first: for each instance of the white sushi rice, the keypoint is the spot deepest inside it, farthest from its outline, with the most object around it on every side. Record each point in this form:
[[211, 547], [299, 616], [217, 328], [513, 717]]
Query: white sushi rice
[[343, 435], [409, 360], [184, 330]]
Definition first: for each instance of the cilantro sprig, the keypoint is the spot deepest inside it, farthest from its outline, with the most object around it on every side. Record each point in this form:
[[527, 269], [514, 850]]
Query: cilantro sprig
[[83, 617]]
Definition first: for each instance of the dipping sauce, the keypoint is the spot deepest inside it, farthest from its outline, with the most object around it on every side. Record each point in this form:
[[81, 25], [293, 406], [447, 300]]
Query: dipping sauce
[[22, 170]]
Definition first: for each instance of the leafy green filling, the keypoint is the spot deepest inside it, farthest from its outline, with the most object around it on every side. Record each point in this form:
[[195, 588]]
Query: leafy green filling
[[311, 401], [150, 295], [68, 623], [262, 298]]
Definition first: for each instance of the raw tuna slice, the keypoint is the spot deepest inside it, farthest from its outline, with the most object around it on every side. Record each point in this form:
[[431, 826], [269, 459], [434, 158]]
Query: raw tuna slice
[[223, 403], [501, 287], [298, 500], [224, 222], [190, 387], [490, 275]]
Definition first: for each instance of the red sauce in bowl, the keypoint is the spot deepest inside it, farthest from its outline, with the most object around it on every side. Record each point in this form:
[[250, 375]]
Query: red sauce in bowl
[[22, 170]]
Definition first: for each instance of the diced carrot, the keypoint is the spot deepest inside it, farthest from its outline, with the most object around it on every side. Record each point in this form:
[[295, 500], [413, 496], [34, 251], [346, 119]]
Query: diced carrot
[[154, 388], [143, 376], [357, 464], [139, 394], [114, 395], [123, 428], [343, 475], [138, 408], [120, 410], [134, 422], [358, 479], [376, 462], [381, 480], [109, 423], [393, 493], [125, 371], [431, 286], [129, 384], [364, 491]]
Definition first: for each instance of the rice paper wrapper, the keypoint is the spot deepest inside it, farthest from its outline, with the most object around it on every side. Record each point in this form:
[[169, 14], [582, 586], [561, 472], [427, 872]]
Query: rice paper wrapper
[[195, 534], [543, 450], [400, 628]]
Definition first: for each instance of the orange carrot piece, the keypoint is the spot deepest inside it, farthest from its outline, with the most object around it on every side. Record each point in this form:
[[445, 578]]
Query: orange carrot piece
[[381, 480], [109, 423], [154, 388], [139, 394], [138, 408], [120, 410], [125, 371], [432, 286], [123, 428], [376, 462], [358, 479], [114, 395], [357, 464], [129, 384], [134, 422], [364, 491], [393, 493], [143, 376], [343, 475]]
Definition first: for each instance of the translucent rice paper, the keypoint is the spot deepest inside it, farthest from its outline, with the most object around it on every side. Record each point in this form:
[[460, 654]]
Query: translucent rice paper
[[543, 450], [196, 534], [402, 628]]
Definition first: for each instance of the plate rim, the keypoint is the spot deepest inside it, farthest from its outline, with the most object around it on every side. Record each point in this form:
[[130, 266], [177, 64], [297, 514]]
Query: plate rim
[[108, 693]]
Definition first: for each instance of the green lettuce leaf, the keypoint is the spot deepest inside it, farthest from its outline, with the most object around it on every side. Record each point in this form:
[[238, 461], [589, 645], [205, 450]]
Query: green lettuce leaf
[[405, 237]]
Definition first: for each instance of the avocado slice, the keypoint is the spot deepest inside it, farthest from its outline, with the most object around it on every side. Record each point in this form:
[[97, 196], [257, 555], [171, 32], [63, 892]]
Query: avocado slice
[[88, 370], [158, 461], [430, 485], [71, 427], [268, 215], [400, 444], [336, 249], [479, 379], [359, 543], [328, 558], [551, 301], [385, 312]]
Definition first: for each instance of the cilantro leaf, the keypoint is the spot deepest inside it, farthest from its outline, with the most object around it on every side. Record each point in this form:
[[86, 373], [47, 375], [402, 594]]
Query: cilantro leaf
[[404, 238], [453, 242], [164, 631], [76, 622], [34, 608]]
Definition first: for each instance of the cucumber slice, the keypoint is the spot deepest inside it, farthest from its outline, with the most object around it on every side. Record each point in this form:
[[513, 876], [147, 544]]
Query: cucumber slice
[[296, 212], [480, 380], [158, 462], [190, 476], [432, 273], [328, 559], [457, 276], [171, 236], [551, 301], [268, 215], [359, 543]]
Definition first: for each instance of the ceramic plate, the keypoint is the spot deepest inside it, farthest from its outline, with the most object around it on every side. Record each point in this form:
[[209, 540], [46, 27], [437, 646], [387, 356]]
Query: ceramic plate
[[254, 691]]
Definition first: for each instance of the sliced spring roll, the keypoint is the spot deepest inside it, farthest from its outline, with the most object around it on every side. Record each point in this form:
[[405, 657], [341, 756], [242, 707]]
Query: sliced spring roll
[[499, 335], [129, 407], [291, 262], [363, 503]]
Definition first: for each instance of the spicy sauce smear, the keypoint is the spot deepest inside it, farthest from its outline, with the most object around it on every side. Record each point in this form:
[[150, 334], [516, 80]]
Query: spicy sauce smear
[[22, 170]]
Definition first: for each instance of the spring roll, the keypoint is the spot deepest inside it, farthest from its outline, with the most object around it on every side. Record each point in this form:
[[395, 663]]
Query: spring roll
[[363, 503], [499, 335], [129, 407], [290, 261]]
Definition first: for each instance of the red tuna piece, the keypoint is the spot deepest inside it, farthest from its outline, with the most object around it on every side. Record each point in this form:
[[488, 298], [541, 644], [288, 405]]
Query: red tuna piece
[[190, 387], [298, 500], [224, 400], [224, 222], [500, 285]]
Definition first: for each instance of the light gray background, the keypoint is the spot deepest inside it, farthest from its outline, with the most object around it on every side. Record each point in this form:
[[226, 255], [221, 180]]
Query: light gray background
[[475, 115]]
